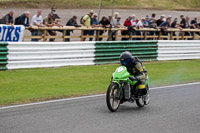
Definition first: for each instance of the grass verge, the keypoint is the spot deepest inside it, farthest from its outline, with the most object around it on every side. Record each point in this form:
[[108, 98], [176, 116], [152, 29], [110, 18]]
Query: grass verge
[[30, 85]]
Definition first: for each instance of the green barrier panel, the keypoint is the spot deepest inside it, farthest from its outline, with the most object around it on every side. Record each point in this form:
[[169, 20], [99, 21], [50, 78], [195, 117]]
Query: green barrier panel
[[109, 52], [3, 55]]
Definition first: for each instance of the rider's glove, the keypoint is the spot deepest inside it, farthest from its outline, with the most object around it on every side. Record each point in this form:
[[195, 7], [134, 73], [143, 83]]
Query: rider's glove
[[133, 78]]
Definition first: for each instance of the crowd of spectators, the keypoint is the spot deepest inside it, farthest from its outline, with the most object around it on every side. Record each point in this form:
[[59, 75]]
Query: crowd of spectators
[[90, 20]]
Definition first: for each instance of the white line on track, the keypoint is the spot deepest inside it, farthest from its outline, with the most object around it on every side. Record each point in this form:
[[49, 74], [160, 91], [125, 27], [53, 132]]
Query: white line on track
[[84, 97], [170, 86]]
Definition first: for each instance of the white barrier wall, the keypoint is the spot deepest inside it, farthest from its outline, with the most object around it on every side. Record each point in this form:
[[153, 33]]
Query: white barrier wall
[[16, 55], [49, 54], [178, 50]]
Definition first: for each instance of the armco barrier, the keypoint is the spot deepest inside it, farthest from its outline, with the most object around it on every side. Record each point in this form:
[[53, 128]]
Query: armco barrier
[[54, 54], [178, 50], [109, 52], [3, 55], [16, 55]]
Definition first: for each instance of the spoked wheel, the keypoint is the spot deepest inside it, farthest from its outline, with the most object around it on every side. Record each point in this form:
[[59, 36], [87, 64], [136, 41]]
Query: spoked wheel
[[112, 100]]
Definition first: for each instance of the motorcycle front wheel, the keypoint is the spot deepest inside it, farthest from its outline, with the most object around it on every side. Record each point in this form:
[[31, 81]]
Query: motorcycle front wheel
[[112, 99]]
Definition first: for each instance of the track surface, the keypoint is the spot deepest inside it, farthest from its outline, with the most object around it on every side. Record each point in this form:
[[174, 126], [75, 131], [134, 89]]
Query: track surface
[[171, 110]]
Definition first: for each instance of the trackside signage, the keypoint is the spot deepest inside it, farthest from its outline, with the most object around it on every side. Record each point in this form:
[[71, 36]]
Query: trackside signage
[[12, 34]]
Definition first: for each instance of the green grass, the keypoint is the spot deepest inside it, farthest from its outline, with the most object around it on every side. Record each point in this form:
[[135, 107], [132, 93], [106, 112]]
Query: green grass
[[29, 85], [131, 4]]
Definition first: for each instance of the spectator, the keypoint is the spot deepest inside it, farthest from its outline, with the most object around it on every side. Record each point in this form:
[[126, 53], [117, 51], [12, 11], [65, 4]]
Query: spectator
[[194, 25], [127, 23], [183, 22], [23, 19], [133, 23], [164, 18], [170, 17], [116, 24], [146, 22], [153, 16], [104, 23], [55, 16], [160, 21], [94, 23], [86, 21], [110, 19], [49, 22], [153, 24], [110, 30], [164, 26], [139, 24], [8, 19], [174, 25], [37, 20], [71, 22], [116, 14], [187, 25]]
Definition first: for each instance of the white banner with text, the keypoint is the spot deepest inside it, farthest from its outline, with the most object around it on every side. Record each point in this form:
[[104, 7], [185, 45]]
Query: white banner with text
[[10, 33]]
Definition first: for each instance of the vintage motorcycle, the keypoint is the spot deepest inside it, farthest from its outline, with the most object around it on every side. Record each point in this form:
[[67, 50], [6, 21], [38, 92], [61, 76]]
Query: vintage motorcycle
[[122, 89]]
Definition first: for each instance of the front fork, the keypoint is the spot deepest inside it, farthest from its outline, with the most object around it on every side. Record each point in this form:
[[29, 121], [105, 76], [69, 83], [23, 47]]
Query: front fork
[[120, 91]]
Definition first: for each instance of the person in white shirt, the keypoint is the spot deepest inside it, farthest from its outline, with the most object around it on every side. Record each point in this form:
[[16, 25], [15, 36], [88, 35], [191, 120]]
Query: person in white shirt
[[115, 17], [133, 24], [133, 20], [139, 24], [37, 20], [116, 24], [116, 14]]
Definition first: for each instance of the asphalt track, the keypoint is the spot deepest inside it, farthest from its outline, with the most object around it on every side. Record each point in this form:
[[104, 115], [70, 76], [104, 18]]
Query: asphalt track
[[171, 110]]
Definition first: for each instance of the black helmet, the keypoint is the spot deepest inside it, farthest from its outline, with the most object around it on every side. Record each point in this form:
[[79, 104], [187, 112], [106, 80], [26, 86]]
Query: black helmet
[[125, 58]]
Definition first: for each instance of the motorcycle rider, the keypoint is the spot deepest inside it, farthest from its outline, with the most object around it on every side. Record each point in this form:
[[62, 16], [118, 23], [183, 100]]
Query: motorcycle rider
[[135, 67]]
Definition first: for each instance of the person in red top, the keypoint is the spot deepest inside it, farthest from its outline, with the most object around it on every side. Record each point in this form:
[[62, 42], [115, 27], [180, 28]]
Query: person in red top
[[127, 23]]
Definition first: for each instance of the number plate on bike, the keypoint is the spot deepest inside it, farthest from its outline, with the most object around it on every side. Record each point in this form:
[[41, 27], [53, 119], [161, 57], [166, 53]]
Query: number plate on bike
[[120, 69]]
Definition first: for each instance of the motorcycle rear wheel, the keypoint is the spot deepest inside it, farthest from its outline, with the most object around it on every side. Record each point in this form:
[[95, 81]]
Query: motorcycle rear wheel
[[113, 102], [147, 96], [140, 101]]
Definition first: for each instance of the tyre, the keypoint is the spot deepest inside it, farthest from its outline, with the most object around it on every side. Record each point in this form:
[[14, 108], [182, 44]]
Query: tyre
[[147, 96], [140, 101], [112, 99], [143, 100]]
